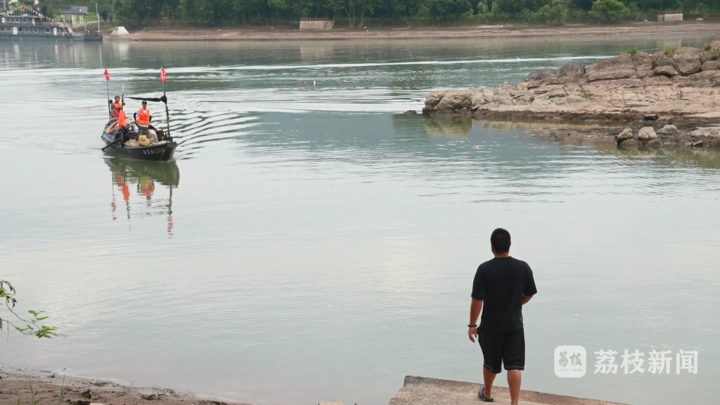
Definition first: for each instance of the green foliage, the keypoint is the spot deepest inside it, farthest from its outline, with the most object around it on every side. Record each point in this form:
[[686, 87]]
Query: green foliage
[[669, 50], [359, 13], [632, 52], [32, 326], [609, 10], [707, 45], [715, 56]]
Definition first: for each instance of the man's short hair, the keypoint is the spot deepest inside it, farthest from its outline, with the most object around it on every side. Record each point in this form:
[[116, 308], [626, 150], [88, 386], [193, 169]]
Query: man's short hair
[[500, 240]]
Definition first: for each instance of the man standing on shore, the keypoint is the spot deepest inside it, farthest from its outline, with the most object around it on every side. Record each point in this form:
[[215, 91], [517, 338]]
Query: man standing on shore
[[501, 287]]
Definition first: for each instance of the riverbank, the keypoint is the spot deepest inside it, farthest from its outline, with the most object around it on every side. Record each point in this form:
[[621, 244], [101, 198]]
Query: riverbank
[[667, 98], [15, 384], [483, 31]]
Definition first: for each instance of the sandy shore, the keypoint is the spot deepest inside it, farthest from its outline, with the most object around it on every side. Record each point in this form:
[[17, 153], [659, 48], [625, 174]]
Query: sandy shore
[[15, 384], [489, 31]]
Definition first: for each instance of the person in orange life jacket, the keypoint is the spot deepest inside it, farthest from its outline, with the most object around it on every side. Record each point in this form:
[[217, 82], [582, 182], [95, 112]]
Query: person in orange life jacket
[[122, 121], [143, 119], [116, 106]]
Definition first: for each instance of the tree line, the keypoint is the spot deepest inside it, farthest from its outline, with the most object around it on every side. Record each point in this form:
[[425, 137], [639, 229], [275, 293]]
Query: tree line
[[359, 13]]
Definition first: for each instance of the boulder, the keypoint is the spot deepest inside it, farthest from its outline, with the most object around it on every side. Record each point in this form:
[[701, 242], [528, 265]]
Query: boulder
[[715, 81], [654, 143], [477, 98], [668, 71], [660, 58], [489, 94], [646, 133], [433, 98], [629, 144], [688, 60], [668, 130], [626, 134], [710, 65], [643, 64], [567, 74], [539, 77], [619, 67], [455, 100]]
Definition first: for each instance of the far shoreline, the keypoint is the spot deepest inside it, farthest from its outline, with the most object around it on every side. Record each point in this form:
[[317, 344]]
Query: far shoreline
[[161, 34]]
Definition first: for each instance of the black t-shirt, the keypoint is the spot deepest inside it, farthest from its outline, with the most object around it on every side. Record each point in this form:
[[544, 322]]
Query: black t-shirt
[[501, 284]]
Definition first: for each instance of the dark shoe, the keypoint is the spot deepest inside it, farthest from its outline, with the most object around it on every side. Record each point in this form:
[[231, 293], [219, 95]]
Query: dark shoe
[[481, 395]]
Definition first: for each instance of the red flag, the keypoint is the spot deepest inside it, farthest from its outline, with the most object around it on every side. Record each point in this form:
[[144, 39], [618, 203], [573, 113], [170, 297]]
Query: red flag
[[107, 75], [163, 75]]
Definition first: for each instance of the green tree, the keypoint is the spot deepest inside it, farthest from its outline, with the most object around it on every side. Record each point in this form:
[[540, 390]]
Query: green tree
[[555, 12], [609, 10], [449, 9], [33, 326], [354, 10]]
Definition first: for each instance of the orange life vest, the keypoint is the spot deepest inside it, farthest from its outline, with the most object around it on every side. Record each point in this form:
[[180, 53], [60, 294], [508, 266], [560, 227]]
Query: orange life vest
[[122, 118], [117, 106], [143, 117]]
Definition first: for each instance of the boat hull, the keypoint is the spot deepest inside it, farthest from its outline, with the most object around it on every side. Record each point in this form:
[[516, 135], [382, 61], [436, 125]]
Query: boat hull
[[155, 153]]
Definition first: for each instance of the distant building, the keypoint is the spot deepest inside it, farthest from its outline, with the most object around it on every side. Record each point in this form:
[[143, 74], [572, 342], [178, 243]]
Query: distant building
[[670, 15], [316, 24], [75, 16]]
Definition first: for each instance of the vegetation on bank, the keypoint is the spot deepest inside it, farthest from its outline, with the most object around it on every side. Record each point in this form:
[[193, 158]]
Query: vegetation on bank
[[379, 13], [32, 326]]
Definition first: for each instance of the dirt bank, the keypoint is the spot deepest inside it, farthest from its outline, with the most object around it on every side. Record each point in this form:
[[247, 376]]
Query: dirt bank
[[15, 384], [487, 31]]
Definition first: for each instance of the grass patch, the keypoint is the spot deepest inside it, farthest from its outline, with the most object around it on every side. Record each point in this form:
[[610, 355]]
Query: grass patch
[[708, 45], [632, 52], [715, 57], [669, 50]]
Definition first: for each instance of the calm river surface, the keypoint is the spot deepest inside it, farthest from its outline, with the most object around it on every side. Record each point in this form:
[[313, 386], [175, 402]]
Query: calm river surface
[[310, 243]]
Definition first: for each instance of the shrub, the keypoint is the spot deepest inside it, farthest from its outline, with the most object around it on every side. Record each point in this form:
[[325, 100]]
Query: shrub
[[632, 52], [609, 10], [715, 57], [708, 45], [669, 50]]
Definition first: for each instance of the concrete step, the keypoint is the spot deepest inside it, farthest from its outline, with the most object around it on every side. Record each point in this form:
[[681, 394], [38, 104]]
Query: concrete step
[[431, 391]]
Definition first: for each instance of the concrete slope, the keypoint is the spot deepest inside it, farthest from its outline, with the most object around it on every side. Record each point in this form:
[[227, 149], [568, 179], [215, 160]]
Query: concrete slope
[[431, 391]]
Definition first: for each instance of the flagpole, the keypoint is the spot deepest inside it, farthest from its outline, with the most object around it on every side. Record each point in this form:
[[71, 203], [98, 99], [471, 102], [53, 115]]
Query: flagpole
[[107, 91], [167, 112]]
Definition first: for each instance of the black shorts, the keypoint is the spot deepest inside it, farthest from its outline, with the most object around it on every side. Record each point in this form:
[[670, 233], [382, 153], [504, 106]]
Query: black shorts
[[503, 347]]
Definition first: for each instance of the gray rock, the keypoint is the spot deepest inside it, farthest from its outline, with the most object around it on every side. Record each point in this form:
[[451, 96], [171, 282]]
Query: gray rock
[[619, 67], [688, 60], [659, 58], [539, 77], [654, 143], [477, 99], [626, 134], [668, 71], [668, 130], [688, 68], [433, 98], [710, 65], [715, 81], [629, 144], [646, 134], [455, 100]]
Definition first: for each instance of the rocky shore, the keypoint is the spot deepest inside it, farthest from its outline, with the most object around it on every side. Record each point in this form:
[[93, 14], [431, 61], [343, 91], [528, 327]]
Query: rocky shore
[[649, 101], [15, 386]]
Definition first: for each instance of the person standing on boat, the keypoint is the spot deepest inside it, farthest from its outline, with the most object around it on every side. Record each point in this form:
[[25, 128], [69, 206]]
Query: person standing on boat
[[117, 106], [143, 118], [122, 121]]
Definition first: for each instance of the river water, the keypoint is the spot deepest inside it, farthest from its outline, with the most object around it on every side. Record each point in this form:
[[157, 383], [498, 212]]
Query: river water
[[312, 244]]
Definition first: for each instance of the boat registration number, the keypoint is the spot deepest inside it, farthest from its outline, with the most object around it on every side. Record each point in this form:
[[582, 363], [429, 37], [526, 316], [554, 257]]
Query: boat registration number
[[153, 152]]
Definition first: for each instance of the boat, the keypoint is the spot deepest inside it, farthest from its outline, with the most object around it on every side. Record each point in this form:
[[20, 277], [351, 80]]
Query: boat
[[33, 26], [160, 151]]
